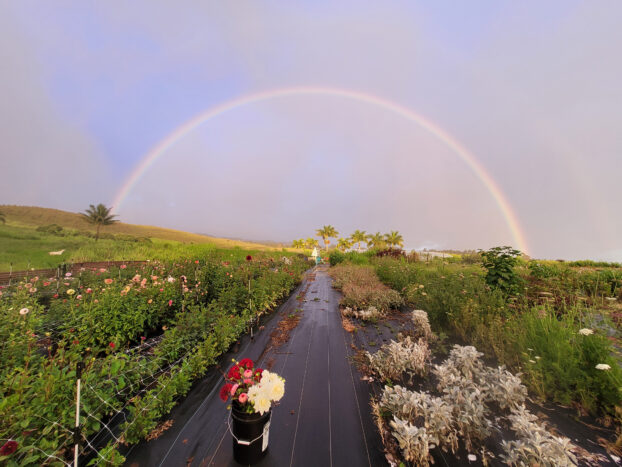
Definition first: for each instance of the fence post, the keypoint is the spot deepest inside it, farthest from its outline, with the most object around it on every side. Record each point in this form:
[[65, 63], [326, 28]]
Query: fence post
[[76, 433]]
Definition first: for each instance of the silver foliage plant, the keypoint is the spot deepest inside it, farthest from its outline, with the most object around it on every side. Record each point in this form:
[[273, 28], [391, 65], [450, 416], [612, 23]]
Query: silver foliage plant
[[414, 441], [422, 325], [397, 358], [422, 421], [535, 445], [434, 413], [465, 370]]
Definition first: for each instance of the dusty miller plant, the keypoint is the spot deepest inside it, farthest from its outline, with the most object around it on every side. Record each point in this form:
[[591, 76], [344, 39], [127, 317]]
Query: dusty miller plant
[[535, 445], [400, 357], [422, 325], [414, 441], [421, 408]]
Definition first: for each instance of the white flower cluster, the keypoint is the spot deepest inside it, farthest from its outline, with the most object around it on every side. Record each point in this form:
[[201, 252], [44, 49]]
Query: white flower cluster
[[535, 445], [422, 325], [371, 313], [399, 357], [270, 389]]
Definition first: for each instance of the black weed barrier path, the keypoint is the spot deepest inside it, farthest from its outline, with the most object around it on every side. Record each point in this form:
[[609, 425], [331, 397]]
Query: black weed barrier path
[[324, 419]]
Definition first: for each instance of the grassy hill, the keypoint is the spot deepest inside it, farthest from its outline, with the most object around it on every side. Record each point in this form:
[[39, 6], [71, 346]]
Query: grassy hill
[[23, 246]]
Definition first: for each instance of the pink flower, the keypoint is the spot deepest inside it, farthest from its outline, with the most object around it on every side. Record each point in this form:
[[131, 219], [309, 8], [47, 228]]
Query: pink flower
[[242, 398], [89, 290], [170, 302], [123, 266], [112, 346], [196, 261], [247, 381], [248, 374], [79, 297], [108, 281], [234, 388]]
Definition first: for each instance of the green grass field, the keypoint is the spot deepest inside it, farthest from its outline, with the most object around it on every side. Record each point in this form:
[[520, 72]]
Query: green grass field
[[23, 247]]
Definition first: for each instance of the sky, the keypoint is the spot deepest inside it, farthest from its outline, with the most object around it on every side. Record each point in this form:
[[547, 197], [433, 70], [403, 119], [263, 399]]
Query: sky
[[529, 90]]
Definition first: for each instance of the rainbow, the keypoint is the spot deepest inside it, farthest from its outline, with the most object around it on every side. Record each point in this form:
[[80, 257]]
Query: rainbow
[[397, 109]]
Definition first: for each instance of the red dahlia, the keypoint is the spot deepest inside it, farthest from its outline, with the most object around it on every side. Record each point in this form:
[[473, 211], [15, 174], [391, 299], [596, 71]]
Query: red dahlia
[[234, 372], [224, 392], [249, 258], [246, 363], [8, 448]]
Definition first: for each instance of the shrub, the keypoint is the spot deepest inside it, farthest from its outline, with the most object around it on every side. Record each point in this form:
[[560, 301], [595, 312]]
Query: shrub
[[336, 257], [499, 263], [361, 289], [53, 229]]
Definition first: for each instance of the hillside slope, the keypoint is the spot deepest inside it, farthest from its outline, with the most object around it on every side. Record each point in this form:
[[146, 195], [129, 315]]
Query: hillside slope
[[30, 216]]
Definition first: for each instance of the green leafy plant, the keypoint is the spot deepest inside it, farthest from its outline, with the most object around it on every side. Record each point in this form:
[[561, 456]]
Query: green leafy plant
[[499, 263]]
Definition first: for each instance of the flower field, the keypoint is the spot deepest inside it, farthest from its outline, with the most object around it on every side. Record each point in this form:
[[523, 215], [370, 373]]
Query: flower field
[[143, 335]]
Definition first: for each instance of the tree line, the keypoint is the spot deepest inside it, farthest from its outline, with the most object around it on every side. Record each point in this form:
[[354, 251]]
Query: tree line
[[372, 240]]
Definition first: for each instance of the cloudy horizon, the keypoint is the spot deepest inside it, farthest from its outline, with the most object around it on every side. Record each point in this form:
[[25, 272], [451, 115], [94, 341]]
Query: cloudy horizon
[[530, 90]]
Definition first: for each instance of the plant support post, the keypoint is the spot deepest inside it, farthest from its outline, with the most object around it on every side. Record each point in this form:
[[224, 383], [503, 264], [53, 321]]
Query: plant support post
[[76, 433]]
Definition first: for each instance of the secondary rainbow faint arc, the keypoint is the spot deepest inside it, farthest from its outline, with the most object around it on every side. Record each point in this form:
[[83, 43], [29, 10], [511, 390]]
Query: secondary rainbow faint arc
[[181, 131]]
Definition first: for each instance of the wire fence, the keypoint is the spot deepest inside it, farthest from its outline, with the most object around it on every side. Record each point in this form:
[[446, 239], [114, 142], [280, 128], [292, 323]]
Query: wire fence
[[7, 278]]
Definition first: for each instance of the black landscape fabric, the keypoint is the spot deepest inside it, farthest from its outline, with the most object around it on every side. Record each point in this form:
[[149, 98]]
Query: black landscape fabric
[[324, 418]]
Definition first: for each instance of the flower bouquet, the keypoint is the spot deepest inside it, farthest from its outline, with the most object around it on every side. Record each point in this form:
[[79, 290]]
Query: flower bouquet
[[252, 392]]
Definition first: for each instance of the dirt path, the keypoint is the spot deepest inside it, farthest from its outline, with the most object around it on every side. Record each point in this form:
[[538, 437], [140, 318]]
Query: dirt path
[[324, 417]]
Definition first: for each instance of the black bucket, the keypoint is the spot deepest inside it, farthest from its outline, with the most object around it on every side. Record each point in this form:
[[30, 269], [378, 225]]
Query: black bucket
[[250, 436]]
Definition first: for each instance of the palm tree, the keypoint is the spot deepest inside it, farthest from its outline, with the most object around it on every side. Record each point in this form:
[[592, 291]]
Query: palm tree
[[298, 244], [311, 243], [99, 215], [357, 237], [394, 238], [326, 232], [343, 244], [2, 217], [376, 240]]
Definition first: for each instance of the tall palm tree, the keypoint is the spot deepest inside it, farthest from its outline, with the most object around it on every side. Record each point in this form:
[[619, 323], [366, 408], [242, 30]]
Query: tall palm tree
[[357, 237], [394, 238], [99, 215], [311, 242], [376, 240], [2, 217], [343, 244], [326, 232]]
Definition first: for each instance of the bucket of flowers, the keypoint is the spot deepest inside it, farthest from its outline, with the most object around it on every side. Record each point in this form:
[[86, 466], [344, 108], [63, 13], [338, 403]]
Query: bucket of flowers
[[252, 392]]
